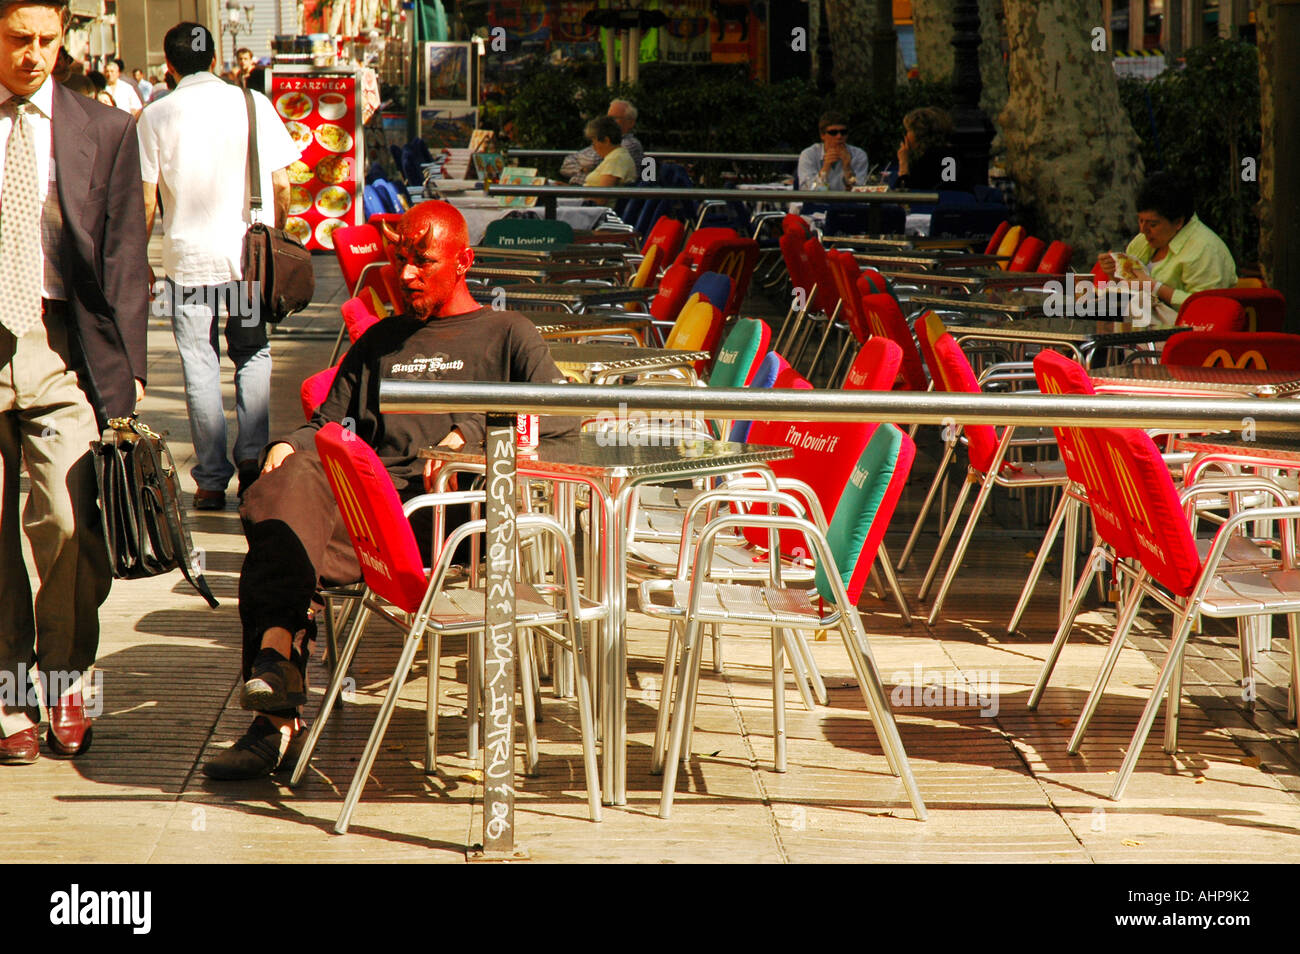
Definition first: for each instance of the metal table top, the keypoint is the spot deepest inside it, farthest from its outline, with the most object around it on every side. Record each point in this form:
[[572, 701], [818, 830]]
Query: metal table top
[[549, 272], [975, 279], [1164, 378], [576, 252], [924, 260], [1062, 331], [1012, 302], [903, 242], [573, 297], [563, 325], [598, 360], [595, 457], [1284, 453]]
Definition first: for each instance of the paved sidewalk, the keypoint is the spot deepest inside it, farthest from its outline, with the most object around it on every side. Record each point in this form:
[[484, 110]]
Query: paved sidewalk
[[998, 782]]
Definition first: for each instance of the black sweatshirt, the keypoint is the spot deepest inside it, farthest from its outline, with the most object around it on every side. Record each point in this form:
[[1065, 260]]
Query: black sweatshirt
[[483, 345]]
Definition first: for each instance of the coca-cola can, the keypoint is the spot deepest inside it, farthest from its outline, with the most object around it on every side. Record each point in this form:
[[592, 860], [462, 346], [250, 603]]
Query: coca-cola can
[[527, 431]]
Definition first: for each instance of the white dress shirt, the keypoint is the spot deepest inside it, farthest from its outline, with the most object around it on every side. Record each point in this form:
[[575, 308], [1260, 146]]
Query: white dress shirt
[[125, 96], [194, 144], [46, 178]]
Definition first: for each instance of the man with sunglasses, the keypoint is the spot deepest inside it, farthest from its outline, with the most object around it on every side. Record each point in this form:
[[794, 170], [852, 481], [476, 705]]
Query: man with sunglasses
[[832, 164]]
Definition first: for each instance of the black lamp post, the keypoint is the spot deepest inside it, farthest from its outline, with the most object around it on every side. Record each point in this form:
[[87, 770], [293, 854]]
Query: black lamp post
[[972, 131]]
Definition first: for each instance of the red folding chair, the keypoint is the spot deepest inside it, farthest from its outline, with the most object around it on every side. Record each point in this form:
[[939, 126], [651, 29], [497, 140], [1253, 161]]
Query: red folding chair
[[995, 239], [988, 466], [1178, 574], [876, 366], [667, 236], [395, 574], [1056, 259], [1265, 307], [1259, 349], [1027, 256], [885, 318], [1213, 313]]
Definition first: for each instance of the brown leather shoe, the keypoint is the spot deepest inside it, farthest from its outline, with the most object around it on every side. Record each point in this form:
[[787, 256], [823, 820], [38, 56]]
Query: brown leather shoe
[[21, 748], [70, 731], [209, 499]]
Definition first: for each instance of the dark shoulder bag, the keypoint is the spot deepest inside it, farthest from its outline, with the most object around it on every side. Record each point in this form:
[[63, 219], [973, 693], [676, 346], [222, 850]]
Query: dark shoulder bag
[[144, 527], [272, 257]]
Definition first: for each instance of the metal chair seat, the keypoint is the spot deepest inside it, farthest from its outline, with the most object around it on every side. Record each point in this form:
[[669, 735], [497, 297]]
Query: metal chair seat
[[738, 603]]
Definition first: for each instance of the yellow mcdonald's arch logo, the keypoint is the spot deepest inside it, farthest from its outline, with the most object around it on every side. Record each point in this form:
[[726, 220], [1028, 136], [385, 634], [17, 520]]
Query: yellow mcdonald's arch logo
[[353, 516], [732, 264], [1127, 487], [1247, 359]]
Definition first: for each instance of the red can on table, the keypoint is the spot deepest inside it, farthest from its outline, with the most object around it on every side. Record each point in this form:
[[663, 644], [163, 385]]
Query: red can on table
[[527, 431]]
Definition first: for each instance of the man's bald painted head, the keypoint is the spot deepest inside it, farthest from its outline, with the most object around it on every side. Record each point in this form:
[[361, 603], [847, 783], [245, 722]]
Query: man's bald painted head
[[431, 245]]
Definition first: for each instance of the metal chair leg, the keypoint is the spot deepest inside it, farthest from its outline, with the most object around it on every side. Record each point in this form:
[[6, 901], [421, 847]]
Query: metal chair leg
[[1063, 510], [891, 583], [523, 641], [1125, 621], [431, 704], [1173, 662], [948, 453], [778, 703], [331, 694], [949, 526], [377, 734], [801, 678], [982, 498], [665, 699], [1063, 630], [679, 716]]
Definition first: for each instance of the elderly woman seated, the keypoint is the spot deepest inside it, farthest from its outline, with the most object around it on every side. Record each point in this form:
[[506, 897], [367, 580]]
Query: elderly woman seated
[[1174, 253], [616, 166]]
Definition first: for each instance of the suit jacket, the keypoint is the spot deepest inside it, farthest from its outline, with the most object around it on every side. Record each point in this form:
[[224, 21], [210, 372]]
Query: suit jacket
[[104, 252]]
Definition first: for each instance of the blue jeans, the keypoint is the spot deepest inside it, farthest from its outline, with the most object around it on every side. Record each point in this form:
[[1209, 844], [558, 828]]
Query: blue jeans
[[194, 311]]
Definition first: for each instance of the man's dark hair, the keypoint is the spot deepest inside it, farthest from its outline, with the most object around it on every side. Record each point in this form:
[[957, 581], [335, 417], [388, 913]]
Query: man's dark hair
[[99, 80], [831, 118], [605, 128], [121, 65], [241, 51], [1167, 195], [65, 13], [189, 48]]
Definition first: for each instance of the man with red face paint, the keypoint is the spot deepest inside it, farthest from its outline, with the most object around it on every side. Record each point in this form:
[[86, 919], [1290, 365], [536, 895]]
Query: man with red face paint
[[296, 538]]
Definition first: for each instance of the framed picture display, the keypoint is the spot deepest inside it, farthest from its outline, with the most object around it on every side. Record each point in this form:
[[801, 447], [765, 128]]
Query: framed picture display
[[448, 75]]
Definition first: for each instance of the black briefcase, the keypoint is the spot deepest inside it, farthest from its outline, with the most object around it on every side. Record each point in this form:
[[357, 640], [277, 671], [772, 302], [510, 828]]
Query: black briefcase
[[139, 500]]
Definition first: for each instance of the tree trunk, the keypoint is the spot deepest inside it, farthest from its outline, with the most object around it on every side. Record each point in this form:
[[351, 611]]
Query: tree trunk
[[1068, 142], [849, 23], [1265, 26], [932, 25]]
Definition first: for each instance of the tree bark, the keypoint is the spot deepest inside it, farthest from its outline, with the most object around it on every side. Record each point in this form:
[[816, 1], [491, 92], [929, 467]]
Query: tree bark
[[1068, 142], [850, 23], [1265, 27], [932, 25]]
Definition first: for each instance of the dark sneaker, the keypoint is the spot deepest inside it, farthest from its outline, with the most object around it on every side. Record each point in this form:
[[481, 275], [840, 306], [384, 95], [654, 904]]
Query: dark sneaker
[[262, 750], [277, 683]]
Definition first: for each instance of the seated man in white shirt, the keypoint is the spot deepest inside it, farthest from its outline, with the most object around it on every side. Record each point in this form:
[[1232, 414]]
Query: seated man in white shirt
[[832, 164], [125, 96]]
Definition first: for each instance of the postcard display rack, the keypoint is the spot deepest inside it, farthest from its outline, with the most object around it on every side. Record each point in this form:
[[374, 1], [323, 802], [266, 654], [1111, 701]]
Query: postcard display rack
[[321, 108]]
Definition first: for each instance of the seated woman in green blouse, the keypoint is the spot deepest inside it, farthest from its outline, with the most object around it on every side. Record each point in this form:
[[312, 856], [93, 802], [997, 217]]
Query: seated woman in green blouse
[[616, 166], [1179, 252]]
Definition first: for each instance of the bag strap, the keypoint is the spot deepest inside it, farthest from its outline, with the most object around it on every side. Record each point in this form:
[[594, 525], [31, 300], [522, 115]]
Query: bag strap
[[254, 168], [171, 507]]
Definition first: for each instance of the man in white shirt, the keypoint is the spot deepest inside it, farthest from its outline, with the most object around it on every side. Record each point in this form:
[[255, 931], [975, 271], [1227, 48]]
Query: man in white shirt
[[125, 96], [193, 147], [142, 85], [832, 164]]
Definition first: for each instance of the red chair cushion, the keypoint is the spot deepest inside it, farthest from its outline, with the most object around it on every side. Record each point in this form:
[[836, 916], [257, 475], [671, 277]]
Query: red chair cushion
[[885, 318], [1265, 307], [981, 439], [1246, 349], [315, 389], [876, 366], [1213, 313]]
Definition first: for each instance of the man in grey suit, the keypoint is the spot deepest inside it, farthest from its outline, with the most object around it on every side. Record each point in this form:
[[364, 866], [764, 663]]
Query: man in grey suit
[[74, 299]]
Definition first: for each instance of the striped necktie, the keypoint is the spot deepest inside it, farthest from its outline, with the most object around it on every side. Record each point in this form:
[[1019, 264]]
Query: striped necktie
[[20, 226]]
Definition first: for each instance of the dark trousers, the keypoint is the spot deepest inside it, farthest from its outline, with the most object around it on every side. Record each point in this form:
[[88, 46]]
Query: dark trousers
[[297, 541]]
